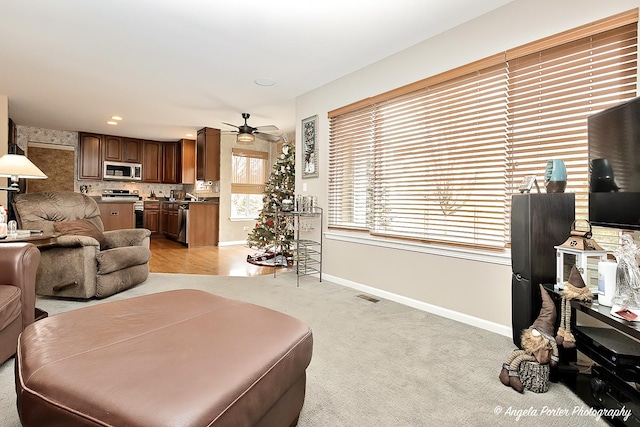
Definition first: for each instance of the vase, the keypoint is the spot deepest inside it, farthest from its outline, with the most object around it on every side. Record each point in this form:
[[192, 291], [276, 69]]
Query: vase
[[555, 176]]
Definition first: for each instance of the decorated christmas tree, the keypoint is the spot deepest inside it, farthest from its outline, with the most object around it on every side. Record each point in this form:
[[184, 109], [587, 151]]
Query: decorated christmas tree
[[281, 186]]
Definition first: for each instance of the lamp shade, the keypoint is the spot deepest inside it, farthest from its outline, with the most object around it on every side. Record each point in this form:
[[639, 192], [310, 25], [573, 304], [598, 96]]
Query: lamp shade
[[17, 166], [245, 138]]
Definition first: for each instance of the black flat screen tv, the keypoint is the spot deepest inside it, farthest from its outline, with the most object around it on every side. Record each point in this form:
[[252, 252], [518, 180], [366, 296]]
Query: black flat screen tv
[[614, 166]]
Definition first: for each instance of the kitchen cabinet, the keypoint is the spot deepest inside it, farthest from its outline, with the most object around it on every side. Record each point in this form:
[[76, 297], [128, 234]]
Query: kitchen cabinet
[[208, 154], [89, 156], [117, 215], [131, 150], [171, 172], [169, 225], [118, 149], [152, 161], [112, 148], [188, 161], [151, 217]]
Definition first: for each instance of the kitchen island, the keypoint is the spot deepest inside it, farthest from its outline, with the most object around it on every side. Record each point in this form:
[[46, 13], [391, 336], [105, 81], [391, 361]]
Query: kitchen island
[[193, 224]]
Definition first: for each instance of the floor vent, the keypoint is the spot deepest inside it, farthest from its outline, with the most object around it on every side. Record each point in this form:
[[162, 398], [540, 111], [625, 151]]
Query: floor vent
[[368, 298]]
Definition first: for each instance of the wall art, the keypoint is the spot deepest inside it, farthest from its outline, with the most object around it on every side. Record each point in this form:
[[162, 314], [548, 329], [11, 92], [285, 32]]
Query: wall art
[[310, 147]]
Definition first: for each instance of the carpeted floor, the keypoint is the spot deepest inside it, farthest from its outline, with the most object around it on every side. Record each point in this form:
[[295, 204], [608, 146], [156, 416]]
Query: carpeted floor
[[374, 363]]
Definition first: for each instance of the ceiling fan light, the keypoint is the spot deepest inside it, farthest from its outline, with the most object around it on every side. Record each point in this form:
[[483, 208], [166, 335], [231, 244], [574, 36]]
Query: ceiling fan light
[[245, 138]]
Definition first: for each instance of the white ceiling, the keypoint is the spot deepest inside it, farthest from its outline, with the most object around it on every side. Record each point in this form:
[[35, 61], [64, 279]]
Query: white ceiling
[[170, 67]]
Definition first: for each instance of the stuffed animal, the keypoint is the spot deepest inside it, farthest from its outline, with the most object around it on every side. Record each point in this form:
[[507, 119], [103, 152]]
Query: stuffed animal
[[574, 288], [538, 345]]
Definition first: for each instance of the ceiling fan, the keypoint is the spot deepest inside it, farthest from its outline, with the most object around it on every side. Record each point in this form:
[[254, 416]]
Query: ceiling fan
[[246, 133]]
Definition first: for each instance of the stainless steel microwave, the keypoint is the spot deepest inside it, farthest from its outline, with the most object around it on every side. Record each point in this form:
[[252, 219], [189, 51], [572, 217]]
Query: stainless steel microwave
[[122, 171]]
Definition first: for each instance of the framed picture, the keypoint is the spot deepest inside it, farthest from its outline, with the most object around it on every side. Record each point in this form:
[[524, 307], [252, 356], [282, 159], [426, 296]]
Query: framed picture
[[310, 147], [527, 184]]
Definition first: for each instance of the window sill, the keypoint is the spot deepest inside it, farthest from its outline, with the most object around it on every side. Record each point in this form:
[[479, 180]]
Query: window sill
[[493, 257]]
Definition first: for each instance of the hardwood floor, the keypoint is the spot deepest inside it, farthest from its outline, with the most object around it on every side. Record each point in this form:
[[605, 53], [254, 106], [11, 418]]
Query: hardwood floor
[[168, 256]]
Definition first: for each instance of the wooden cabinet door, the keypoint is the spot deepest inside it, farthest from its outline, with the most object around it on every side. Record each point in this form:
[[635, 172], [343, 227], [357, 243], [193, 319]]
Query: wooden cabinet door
[[152, 161], [208, 154], [200, 153], [164, 218], [131, 150], [169, 225], [117, 216], [151, 221], [170, 163], [89, 156], [188, 161], [212, 170], [112, 148], [173, 227]]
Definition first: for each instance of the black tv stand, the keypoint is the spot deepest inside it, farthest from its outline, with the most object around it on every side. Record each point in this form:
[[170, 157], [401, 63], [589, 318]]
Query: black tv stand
[[609, 384]]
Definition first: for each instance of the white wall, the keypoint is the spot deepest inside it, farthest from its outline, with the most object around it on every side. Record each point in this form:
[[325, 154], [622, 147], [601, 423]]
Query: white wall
[[477, 291]]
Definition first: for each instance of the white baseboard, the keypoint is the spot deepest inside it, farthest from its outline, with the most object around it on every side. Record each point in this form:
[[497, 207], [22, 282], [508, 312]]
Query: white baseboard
[[420, 305]]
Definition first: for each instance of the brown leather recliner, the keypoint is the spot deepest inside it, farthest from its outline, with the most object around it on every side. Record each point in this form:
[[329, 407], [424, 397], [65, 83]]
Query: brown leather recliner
[[18, 267], [97, 263]]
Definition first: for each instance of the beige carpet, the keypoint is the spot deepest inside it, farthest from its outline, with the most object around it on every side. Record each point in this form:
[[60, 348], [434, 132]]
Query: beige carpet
[[374, 364]]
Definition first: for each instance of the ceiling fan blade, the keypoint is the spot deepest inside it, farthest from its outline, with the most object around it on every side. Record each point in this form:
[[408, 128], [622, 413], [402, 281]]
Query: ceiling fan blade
[[267, 127], [229, 124], [268, 136]]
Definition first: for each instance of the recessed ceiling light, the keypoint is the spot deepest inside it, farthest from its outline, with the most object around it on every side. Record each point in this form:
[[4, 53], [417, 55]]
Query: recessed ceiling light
[[117, 118], [112, 123], [189, 135], [264, 81]]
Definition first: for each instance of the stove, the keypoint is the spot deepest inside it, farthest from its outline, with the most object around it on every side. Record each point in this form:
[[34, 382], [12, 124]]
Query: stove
[[123, 196], [120, 195]]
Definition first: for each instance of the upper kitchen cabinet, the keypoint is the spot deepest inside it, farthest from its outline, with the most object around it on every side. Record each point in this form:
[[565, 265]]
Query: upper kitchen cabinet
[[89, 156], [152, 161], [171, 163], [117, 149], [188, 157], [131, 150], [112, 148], [208, 154]]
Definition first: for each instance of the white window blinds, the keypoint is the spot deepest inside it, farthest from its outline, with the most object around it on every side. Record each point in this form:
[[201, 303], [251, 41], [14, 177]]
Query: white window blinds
[[551, 94], [438, 160], [249, 171], [439, 153]]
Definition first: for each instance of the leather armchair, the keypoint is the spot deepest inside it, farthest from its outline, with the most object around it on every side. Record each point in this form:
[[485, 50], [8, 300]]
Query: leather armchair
[[18, 267], [76, 266]]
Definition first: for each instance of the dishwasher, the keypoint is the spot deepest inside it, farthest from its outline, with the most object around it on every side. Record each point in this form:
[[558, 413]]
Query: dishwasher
[[183, 223]]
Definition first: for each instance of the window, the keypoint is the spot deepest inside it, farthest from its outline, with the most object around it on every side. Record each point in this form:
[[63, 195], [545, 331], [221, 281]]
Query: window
[[438, 160], [249, 177]]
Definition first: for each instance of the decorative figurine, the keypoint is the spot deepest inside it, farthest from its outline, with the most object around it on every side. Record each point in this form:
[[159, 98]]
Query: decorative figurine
[[529, 368]]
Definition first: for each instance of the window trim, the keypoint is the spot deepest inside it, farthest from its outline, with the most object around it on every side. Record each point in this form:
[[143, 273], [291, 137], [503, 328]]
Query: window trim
[[605, 24]]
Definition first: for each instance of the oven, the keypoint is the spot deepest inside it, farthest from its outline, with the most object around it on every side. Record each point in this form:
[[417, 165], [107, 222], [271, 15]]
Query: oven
[[138, 210]]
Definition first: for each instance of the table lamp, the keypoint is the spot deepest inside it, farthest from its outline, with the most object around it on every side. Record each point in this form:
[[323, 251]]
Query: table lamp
[[16, 166]]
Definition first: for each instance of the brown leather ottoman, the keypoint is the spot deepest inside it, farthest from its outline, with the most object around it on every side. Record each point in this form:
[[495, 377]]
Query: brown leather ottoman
[[178, 358]]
